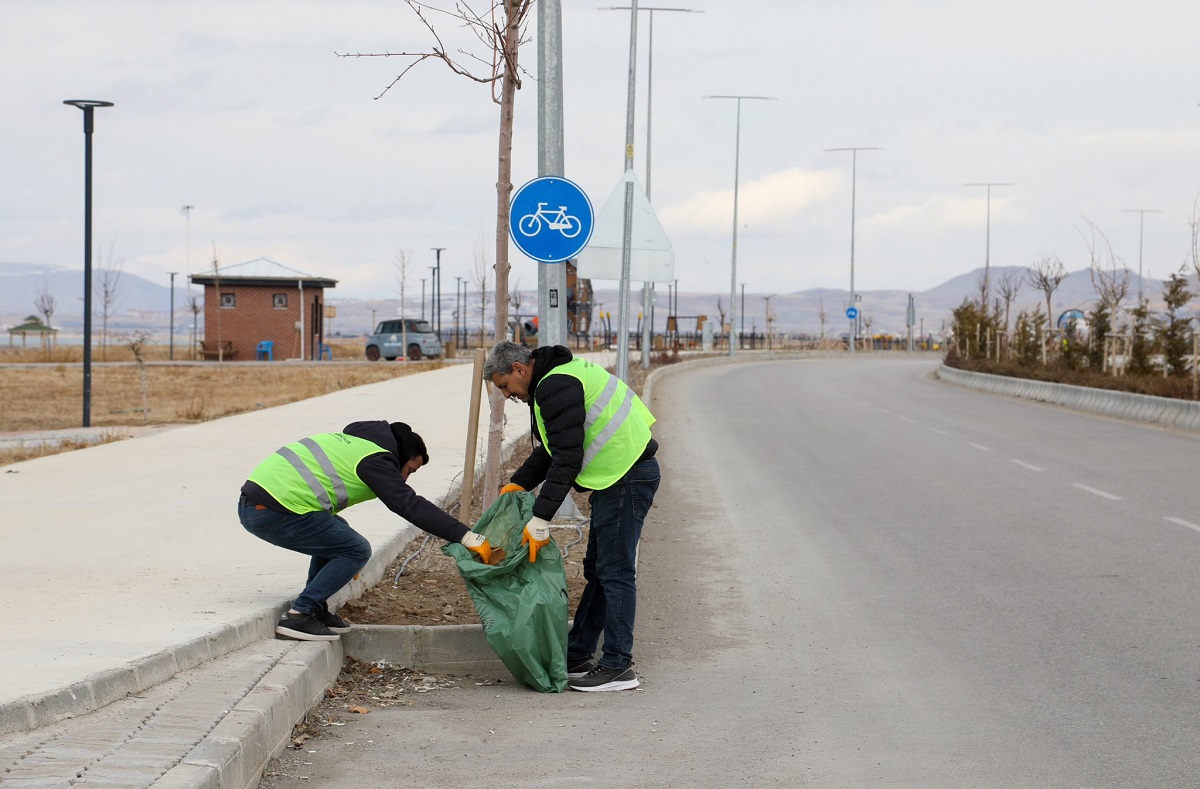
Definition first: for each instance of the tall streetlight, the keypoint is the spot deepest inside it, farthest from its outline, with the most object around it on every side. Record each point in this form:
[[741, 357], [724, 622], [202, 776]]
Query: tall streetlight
[[987, 258], [422, 298], [737, 153], [853, 201], [1141, 233], [648, 287], [88, 106], [437, 292], [458, 315], [171, 333]]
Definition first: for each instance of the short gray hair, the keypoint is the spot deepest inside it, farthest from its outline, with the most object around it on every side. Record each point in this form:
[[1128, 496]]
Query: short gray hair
[[503, 356]]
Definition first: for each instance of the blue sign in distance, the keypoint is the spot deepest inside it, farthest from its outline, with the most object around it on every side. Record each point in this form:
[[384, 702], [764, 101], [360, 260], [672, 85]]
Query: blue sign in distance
[[550, 219], [852, 312]]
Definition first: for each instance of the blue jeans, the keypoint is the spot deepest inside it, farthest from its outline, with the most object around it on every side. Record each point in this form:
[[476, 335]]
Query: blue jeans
[[609, 600], [338, 552]]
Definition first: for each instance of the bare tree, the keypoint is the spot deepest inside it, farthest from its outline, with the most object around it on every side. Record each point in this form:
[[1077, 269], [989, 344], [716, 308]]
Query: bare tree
[[109, 279], [403, 265], [516, 299], [721, 320], [501, 29], [482, 277], [216, 270], [1110, 276], [822, 318], [136, 343], [1195, 225], [1046, 274], [44, 302], [1008, 286], [195, 304]]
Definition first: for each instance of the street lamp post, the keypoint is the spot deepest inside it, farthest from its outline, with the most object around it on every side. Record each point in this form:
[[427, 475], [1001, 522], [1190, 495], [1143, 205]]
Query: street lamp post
[[171, 333], [88, 106], [437, 292], [853, 201], [1141, 232], [987, 257], [743, 327], [648, 287], [737, 153]]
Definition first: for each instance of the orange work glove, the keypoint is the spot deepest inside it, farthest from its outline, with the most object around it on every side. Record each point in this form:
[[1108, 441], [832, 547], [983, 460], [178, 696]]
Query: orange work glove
[[536, 534], [511, 487], [478, 544]]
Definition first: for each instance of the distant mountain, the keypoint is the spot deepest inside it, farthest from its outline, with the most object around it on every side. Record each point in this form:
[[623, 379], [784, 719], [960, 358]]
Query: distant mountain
[[145, 305]]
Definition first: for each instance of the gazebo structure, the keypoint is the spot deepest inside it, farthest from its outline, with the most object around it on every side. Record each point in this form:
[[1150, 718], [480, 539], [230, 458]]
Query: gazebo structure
[[262, 309], [46, 335]]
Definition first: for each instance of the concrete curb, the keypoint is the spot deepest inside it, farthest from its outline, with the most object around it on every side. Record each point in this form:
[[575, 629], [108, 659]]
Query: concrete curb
[[447, 649], [1163, 411], [236, 752]]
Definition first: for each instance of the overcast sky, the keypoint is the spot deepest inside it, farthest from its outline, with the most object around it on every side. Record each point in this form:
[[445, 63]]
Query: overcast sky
[[243, 110]]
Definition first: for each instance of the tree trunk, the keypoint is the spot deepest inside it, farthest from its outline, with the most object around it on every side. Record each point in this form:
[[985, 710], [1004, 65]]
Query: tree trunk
[[508, 91]]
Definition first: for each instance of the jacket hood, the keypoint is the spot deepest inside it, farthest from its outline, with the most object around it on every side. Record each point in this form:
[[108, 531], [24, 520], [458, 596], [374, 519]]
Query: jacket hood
[[546, 359]]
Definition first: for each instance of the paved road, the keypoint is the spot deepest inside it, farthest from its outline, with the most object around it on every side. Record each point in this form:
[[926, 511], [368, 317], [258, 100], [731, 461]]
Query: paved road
[[856, 575]]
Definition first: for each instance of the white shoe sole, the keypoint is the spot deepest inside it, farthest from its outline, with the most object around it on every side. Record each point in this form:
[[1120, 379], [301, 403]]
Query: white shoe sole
[[300, 635], [626, 684]]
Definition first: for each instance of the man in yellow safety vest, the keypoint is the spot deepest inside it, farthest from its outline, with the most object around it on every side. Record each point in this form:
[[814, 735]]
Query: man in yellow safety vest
[[590, 431], [294, 499]]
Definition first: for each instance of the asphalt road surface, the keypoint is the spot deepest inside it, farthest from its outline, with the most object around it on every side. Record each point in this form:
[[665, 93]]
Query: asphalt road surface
[[858, 576]]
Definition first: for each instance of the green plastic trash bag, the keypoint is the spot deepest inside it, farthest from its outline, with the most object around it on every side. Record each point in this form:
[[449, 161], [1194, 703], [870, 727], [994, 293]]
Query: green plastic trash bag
[[522, 605]]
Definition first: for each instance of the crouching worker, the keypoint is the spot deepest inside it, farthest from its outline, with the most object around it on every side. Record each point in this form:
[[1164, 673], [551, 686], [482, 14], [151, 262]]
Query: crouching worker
[[592, 432], [295, 497]]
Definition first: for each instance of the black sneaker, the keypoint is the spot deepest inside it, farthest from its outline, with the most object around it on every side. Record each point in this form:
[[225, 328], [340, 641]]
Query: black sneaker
[[601, 678], [579, 668], [304, 627], [331, 620]]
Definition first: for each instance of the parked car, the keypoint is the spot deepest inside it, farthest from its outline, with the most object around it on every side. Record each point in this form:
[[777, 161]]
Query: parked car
[[390, 336]]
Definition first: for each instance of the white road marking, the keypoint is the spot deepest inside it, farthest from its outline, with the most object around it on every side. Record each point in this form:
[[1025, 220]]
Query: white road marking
[[1181, 522], [906, 419], [1097, 492], [1029, 466], [980, 447], [939, 432]]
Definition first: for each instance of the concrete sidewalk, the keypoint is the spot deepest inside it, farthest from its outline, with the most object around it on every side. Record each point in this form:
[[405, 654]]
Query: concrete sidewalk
[[140, 649]]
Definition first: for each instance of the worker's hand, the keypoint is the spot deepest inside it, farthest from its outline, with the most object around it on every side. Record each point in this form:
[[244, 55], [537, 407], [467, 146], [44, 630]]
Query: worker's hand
[[536, 534], [511, 487], [478, 544]]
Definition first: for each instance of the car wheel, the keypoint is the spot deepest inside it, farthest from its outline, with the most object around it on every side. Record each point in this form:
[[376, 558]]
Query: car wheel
[[414, 353], [373, 353]]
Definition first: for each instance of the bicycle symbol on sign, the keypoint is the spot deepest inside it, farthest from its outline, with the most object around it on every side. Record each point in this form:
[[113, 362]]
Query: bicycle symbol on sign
[[560, 220]]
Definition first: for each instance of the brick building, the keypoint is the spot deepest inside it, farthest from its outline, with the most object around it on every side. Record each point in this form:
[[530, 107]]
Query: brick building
[[261, 301]]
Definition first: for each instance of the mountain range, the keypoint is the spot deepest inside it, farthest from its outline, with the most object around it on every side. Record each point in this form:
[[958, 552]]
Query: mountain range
[[142, 305]]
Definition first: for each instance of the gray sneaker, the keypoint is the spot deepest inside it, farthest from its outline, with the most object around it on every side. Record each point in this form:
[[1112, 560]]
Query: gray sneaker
[[601, 678]]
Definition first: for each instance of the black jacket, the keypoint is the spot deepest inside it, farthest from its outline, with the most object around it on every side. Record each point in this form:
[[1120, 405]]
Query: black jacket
[[561, 401], [382, 473]]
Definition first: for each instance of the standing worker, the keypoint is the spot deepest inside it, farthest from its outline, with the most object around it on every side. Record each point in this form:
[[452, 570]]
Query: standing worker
[[294, 498], [592, 432]]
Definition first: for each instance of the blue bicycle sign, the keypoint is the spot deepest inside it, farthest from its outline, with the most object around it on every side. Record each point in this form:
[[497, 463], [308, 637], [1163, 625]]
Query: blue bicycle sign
[[550, 219], [560, 220]]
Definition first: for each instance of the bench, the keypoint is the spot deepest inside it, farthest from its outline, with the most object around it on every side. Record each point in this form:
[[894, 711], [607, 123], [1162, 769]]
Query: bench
[[211, 350]]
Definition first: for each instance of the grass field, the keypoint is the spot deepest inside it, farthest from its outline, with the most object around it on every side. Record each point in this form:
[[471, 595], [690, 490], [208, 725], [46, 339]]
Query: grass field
[[48, 395]]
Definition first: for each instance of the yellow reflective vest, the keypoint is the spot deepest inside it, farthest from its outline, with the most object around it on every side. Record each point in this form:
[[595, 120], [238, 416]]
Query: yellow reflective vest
[[616, 427], [317, 473]]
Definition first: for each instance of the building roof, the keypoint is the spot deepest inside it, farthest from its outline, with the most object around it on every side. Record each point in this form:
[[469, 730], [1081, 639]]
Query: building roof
[[261, 271], [32, 325]]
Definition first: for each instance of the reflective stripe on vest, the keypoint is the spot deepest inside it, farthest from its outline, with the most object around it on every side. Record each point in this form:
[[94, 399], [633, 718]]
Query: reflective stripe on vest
[[612, 443], [317, 473]]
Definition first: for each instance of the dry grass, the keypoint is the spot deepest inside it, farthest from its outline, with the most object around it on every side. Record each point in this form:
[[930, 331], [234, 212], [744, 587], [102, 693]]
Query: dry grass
[[49, 396]]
